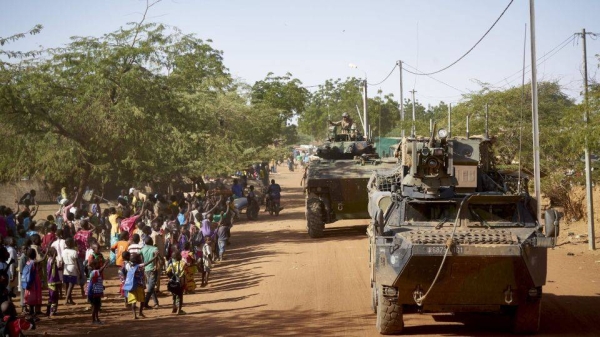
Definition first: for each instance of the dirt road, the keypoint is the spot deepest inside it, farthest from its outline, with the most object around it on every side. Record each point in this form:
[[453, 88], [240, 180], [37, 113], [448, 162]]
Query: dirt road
[[276, 281]]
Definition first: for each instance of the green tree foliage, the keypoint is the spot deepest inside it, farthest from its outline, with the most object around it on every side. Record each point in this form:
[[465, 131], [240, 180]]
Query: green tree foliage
[[146, 103], [509, 120], [286, 96]]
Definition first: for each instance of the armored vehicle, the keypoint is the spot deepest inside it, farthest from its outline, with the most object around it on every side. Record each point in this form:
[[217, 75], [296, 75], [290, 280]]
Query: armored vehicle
[[451, 233], [335, 183]]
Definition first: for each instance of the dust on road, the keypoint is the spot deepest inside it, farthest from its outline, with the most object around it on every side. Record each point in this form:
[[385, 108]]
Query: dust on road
[[276, 281]]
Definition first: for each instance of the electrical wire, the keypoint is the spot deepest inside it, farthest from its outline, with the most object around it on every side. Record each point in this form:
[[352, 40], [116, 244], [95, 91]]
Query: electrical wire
[[385, 79], [540, 63], [544, 57], [417, 72], [475, 45]]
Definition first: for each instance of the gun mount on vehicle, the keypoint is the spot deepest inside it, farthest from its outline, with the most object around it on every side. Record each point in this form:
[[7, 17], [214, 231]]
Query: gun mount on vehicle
[[450, 233]]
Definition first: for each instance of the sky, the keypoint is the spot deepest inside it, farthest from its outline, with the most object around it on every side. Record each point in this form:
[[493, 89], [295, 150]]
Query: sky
[[317, 40]]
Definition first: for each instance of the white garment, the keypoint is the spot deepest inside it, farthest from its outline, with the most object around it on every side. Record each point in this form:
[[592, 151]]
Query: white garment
[[206, 256], [60, 246], [69, 257], [88, 252], [134, 248]]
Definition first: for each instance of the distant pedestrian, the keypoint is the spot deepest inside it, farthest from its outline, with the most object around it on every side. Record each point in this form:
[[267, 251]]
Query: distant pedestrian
[[95, 288], [176, 273], [134, 285], [206, 260], [54, 282], [150, 256]]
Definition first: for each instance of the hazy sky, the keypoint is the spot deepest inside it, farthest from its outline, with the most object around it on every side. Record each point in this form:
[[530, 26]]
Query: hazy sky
[[316, 40]]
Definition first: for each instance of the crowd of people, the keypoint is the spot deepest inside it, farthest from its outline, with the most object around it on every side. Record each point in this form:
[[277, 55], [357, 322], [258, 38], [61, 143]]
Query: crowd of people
[[43, 262]]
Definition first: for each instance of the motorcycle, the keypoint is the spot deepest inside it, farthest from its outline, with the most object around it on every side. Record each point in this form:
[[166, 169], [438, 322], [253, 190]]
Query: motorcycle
[[273, 204]]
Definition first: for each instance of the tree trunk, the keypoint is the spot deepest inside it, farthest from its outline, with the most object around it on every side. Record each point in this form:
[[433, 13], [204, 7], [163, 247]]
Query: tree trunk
[[83, 183]]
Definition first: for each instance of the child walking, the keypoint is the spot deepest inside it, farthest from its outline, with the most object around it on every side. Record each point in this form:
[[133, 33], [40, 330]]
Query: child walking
[[71, 269], [96, 287], [176, 271], [32, 283], [135, 285], [54, 282], [206, 260], [126, 262], [191, 268]]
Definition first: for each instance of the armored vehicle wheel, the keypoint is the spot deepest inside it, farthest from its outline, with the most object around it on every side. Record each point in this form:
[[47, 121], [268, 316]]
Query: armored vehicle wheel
[[314, 218], [526, 317], [374, 297], [389, 315]]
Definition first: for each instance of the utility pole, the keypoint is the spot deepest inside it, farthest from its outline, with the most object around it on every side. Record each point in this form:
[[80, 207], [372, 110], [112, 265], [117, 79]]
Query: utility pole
[[588, 173], [413, 132], [367, 128], [449, 120], [535, 119], [487, 131], [401, 99]]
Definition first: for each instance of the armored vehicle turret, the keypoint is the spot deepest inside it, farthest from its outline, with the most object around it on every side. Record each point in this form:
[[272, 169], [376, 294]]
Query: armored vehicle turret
[[335, 183], [451, 233]]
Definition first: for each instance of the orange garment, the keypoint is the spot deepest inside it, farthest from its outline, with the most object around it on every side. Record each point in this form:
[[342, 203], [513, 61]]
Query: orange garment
[[120, 247]]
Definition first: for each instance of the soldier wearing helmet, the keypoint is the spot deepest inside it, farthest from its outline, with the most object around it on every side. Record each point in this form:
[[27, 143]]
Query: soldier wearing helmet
[[345, 123]]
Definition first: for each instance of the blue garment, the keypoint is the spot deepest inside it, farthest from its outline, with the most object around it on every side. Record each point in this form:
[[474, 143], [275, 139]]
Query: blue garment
[[26, 223], [237, 190], [181, 219], [10, 223], [223, 233]]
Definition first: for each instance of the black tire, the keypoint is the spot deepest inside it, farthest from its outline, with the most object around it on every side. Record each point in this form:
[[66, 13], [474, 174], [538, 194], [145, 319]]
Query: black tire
[[389, 315], [374, 297], [314, 218], [526, 317]]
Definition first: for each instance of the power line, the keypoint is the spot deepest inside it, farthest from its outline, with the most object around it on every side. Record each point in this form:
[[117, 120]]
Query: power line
[[385, 79], [545, 57], [475, 45], [433, 78]]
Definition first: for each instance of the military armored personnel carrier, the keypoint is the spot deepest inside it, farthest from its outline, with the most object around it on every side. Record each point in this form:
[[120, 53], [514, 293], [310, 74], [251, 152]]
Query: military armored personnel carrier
[[335, 184], [451, 233]]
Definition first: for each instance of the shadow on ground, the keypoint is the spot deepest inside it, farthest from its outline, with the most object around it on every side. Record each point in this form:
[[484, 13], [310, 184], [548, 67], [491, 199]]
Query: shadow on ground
[[560, 316], [247, 322]]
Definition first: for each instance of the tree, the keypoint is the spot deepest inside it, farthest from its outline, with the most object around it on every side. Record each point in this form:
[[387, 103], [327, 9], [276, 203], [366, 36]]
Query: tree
[[281, 92], [114, 106], [286, 95]]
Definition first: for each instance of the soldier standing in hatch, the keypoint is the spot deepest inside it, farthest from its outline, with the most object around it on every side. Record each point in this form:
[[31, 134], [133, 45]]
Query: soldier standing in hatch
[[345, 123]]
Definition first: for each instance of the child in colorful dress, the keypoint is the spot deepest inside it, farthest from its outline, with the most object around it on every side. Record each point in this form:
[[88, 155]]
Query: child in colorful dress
[[96, 287], [14, 325], [126, 258], [187, 255], [135, 285], [33, 284], [183, 239], [176, 270], [54, 282]]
